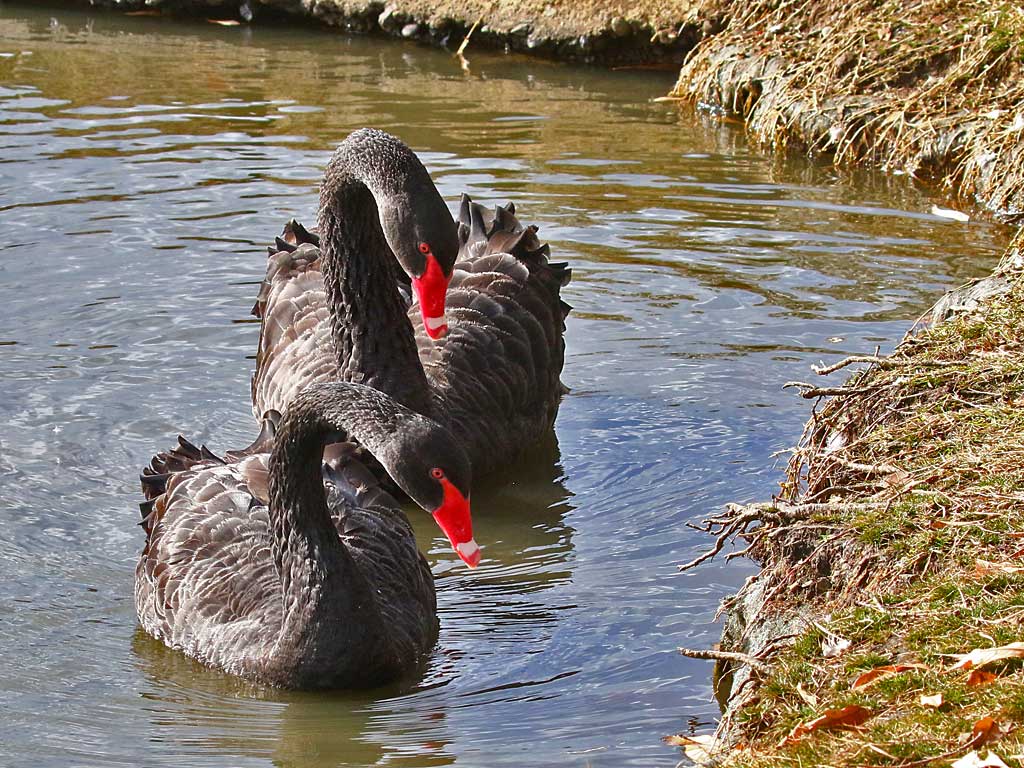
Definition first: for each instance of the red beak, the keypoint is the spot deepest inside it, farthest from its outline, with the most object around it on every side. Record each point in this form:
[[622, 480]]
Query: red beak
[[431, 288], [454, 518]]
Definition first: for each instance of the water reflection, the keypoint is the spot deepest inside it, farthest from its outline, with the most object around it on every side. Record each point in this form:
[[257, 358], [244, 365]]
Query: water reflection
[[145, 164]]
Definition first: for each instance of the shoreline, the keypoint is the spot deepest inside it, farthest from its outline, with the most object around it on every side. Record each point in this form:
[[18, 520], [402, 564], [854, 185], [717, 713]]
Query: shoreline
[[888, 553], [618, 33]]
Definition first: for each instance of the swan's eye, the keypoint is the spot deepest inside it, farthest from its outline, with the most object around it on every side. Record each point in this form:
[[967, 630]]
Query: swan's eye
[[424, 248], [437, 473]]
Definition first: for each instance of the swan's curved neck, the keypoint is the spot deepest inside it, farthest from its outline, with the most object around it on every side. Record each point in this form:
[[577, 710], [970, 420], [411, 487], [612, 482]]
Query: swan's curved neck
[[324, 589], [372, 333]]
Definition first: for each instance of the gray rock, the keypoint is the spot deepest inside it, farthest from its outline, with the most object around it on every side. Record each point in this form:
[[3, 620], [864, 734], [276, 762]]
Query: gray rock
[[410, 30], [620, 27]]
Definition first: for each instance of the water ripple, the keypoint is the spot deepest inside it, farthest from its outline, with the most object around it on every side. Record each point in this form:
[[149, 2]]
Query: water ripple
[[145, 164]]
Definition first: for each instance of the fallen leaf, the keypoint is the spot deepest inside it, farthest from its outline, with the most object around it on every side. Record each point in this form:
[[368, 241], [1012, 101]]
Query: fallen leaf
[[698, 748], [980, 677], [982, 567], [833, 645], [979, 657], [880, 673], [934, 701], [974, 760], [984, 731], [845, 718], [809, 698]]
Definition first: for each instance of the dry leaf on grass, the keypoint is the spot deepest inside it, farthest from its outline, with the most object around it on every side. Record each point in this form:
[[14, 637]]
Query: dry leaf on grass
[[847, 717], [980, 677], [983, 567], [979, 657], [984, 731], [698, 748], [809, 698], [880, 673], [935, 700], [974, 760]]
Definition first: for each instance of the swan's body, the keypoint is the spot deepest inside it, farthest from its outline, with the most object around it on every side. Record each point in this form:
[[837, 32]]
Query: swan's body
[[251, 568], [493, 379]]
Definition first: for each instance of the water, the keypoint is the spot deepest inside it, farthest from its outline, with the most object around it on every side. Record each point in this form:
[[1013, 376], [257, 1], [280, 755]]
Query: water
[[145, 164]]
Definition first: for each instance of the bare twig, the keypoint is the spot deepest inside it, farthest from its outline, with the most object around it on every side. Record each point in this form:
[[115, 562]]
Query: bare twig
[[738, 517], [810, 391], [465, 40], [882, 362], [868, 469], [742, 658]]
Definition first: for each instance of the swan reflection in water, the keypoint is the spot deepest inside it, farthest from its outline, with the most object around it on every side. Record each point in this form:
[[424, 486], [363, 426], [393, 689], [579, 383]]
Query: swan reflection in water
[[512, 598]]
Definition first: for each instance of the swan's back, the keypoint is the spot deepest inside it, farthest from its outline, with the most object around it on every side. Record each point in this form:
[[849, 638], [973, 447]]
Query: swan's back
[[295, 346], [207, 585], [496, 374]]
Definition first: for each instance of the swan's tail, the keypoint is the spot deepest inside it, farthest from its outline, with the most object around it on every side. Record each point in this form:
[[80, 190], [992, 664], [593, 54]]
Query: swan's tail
[[187, 455], [180, 458], [294, 250], [483, 232]]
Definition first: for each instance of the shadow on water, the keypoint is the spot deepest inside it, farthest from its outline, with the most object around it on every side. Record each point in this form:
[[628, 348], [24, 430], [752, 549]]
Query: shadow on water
[[144, 166]]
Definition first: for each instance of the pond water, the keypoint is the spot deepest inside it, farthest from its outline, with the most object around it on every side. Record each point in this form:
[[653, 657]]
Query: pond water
[[144, 166]]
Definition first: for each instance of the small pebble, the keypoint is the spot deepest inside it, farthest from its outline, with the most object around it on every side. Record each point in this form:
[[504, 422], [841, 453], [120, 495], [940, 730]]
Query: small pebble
[[410, 30]]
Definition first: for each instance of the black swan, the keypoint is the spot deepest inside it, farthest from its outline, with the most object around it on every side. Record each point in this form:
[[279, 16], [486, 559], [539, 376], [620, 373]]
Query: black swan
[[251, 567], [488, 368]]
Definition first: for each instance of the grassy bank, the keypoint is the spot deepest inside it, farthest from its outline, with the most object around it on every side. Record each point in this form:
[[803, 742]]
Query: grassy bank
[[895, 547], [898, 541]]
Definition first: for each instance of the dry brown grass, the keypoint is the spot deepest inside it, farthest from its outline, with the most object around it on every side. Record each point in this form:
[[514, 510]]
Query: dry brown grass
[[934, 88]]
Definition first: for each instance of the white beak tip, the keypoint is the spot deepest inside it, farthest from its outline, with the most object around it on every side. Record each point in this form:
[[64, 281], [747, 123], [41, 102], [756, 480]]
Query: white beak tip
[[469, 551], [434, 323]]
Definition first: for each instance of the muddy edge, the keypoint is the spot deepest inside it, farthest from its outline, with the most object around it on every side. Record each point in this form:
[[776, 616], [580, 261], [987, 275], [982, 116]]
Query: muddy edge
[[589, 31]]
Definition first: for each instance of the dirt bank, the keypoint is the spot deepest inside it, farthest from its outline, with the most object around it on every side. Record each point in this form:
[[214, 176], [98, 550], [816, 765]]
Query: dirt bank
[[613, 32], [927, 87], [895, 542]]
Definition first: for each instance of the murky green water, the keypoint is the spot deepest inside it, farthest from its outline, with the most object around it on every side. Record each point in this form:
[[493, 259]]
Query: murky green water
[[144, 164]]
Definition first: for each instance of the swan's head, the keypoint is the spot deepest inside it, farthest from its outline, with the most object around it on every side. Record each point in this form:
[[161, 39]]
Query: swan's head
[[432, 468], [424, 238]]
